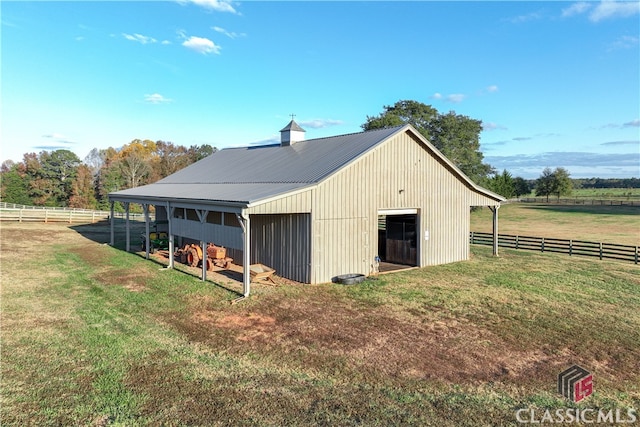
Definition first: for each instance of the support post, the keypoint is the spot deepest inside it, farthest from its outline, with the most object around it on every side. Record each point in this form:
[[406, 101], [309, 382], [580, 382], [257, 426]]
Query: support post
[[202, 216], [243, 219], [112, 220], [127, 228], [203, 246], [494, 209], [147, 240], [169, 216]]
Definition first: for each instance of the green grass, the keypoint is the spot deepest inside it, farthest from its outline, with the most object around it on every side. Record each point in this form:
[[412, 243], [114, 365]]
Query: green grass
[[599, 193], [95, 336], [607, 193], [610, 224]]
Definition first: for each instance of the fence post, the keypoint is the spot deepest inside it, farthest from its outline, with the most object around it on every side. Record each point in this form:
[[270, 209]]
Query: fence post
[[570, 247], [636, 260], [517, 238], [472, 242], [601, 250], [46, 215], [70, 217], [542, 245], [20, 216]]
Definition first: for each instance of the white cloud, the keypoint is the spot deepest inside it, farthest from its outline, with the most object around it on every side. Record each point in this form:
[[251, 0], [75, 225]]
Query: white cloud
[[622, 143], [156, 98], [320, 123], [201, 45], [576, 9], [58, 138], [492, 88], [216, 5], [139, 38], [533, 16], [633, 123], [624, 42], [231, 35], [492, 126], [455, 98], [614, 9]]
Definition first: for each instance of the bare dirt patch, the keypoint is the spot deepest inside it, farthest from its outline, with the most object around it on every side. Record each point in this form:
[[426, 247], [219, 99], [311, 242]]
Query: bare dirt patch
[[323, 332]]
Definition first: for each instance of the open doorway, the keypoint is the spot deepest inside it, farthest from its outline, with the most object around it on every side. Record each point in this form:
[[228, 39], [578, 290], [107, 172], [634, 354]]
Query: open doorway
[[397, 239]]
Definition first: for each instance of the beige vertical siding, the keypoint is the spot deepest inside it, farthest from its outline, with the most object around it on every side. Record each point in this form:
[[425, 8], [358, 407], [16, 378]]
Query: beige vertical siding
[[295, 203], [400, 173]]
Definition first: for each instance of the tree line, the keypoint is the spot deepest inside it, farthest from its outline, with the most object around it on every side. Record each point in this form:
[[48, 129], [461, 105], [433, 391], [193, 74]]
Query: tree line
[[59, 178]]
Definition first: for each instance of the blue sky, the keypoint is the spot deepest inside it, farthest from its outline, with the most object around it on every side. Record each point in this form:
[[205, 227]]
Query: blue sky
[[554, 83]]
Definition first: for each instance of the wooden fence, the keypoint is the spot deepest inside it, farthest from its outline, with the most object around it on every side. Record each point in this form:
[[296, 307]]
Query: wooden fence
[[570, 247], [579, 201], [21, 213]]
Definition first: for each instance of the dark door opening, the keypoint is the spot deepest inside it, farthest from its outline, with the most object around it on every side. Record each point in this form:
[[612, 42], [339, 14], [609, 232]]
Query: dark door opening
[[397, 239]]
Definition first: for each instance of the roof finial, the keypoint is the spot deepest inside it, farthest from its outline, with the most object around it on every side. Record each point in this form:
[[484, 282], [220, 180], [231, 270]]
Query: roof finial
[[292, 116]]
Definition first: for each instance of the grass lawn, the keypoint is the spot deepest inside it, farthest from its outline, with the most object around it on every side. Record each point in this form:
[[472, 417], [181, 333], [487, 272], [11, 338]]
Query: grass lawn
[[92, 335], [607, 224], [607, 193]]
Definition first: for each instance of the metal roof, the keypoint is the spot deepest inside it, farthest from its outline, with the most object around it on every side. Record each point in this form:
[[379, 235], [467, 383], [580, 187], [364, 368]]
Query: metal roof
[[234, 194], [249, 174], [292, 126]]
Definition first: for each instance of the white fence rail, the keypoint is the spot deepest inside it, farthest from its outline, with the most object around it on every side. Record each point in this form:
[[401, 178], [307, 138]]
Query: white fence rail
[[21, 213]]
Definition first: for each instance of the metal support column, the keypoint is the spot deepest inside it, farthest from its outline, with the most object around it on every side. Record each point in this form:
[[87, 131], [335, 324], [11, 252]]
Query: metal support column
[[127, 228], [112, 220], [169, 216], [147, 243], [202, 215], [243, 219]]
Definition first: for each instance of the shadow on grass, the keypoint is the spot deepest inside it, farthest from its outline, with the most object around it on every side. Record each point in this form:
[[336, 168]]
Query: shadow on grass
[[184, 269], [588, 209], [100, 232]]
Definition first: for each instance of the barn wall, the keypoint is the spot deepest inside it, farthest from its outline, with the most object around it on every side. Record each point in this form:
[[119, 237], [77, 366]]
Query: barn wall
[[221, 235], [283, 242], [295, 203], [398, 174]]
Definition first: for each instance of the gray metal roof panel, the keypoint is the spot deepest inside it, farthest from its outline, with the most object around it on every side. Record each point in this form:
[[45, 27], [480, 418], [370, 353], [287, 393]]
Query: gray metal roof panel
[[230, 193], [292, 126], [303, 162]]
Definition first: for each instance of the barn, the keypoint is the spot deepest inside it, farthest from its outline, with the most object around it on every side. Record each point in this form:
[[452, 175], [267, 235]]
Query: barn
[[315, 209]]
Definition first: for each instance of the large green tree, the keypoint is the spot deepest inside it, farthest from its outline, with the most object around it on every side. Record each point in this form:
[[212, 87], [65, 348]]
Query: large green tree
[[556, 182], [14, 181], [544, 184], [503, 184], [455, 135], [521, 186], [562, 184]]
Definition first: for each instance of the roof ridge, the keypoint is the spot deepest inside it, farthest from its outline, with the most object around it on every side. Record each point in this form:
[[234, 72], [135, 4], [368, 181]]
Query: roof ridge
[[357, 133]]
